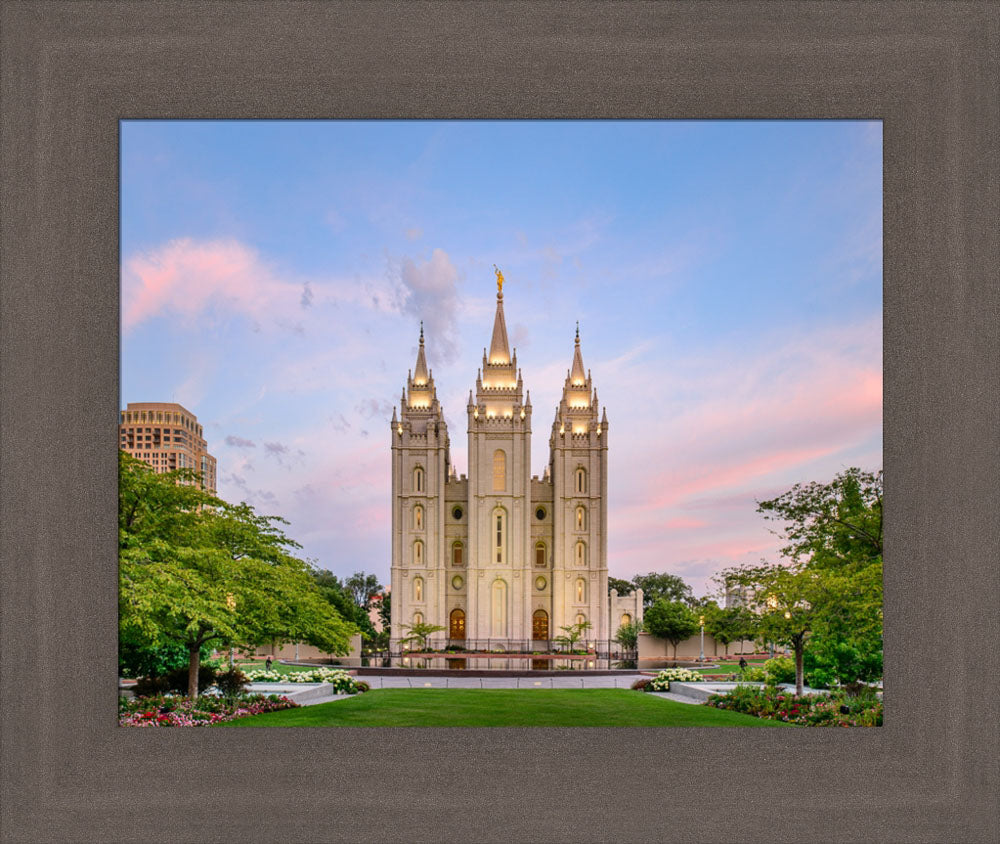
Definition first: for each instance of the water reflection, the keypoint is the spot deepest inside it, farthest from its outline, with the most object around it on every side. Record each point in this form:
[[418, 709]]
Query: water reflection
[[499, 663]]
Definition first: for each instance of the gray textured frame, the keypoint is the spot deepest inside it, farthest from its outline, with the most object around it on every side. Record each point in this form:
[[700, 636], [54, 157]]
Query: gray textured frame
[[71, 70]]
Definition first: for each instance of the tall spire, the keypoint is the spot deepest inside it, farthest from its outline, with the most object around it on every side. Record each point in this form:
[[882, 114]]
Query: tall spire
[[420, 374], [499, 349], [577, 376]]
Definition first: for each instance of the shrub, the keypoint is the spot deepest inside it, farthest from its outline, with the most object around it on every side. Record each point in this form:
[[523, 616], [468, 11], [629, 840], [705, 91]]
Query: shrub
[[177, 680], [837, 710], [161, 711], [147, 686], [343, 683], [154, 661], [231, 683], [661, 682], [642, 685], [753, 675], [780, 669], [361, 686]]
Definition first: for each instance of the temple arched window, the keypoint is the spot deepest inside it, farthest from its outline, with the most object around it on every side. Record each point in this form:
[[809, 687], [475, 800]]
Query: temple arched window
[[499, 532], [540, 560], [499, 471]]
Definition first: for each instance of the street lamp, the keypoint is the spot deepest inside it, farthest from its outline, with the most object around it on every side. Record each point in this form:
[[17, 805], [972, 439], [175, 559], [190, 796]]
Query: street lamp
[[231, 605], [701, 655]]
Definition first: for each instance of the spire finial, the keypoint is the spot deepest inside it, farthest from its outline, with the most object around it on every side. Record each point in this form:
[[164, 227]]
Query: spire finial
[[499, 275], [421, 332], [578, 331]]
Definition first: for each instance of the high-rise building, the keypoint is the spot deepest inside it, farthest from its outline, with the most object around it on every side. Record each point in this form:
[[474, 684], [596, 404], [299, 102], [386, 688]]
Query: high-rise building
[[167, 436], [500, 554]]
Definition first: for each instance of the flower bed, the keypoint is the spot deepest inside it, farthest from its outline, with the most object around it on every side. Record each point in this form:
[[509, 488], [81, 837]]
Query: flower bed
[[343, 683], [661, 682], [176, 711], [833, 710]]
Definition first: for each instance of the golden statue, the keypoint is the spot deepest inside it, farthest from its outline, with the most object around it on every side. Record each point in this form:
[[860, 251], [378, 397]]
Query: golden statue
[[499, 278]]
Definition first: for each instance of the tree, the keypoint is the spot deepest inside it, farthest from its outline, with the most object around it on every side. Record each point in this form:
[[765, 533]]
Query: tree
[[834, 531], [667, 587], [385, 610], [623, 587], [362, 586], [838, 523], [194, 570], [628, 636], [419, 632], [572, 634], [730, 625], [342, 599], [785, 600], [672, 621]]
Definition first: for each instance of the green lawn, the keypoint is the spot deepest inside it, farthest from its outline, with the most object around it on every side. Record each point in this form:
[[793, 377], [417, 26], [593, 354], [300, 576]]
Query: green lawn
[[503, 708]]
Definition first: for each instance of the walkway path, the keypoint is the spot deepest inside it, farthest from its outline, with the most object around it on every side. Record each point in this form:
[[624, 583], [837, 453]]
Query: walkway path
[[308, 694]]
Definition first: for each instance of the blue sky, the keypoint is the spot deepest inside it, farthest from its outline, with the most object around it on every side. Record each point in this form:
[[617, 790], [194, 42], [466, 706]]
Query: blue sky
[[726, 277]]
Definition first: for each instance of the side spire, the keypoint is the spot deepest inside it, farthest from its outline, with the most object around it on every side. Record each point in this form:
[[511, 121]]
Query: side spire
[[420, 373], [577, 376]]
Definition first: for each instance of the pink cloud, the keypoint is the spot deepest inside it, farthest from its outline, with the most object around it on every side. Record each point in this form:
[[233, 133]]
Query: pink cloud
[[186, 277]]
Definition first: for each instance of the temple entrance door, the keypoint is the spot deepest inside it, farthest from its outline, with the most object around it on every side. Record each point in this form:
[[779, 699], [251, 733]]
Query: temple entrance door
[[540, 625], [456, 625]]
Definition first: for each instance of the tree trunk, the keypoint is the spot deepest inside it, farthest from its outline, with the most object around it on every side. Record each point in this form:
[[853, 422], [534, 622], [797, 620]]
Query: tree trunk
[[194, 663], [675, 651], [799, 675]]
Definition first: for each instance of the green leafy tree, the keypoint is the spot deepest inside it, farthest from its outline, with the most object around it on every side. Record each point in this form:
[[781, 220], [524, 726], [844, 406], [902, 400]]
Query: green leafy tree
[[622, 586], [195, 570], [385, 610], [419, 632], [666, 587], [572, 634], [785, 600], [362, 587], [834, 530], [833, 524], [672, 621], [628, 636], [730, 625], [342, 599]]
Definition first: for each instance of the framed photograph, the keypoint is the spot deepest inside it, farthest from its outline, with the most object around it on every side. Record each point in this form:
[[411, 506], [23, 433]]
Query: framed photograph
[[719, 289], [921, 72]]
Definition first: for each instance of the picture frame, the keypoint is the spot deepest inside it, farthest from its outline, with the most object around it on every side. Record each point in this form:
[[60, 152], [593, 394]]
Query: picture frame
[[72, 71]]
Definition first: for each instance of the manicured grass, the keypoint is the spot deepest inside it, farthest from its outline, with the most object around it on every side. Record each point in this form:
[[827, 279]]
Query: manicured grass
[[503, 708]]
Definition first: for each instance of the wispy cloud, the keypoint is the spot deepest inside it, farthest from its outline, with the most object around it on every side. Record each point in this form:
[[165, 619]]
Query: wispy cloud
[[429, 293]]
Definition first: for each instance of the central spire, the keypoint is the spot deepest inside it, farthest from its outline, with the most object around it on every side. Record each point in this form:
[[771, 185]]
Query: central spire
[[499, 349]]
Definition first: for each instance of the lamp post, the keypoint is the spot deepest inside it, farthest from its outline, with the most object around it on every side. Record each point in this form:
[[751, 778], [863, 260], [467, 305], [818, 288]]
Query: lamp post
[[231, 605], [701, 622]]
